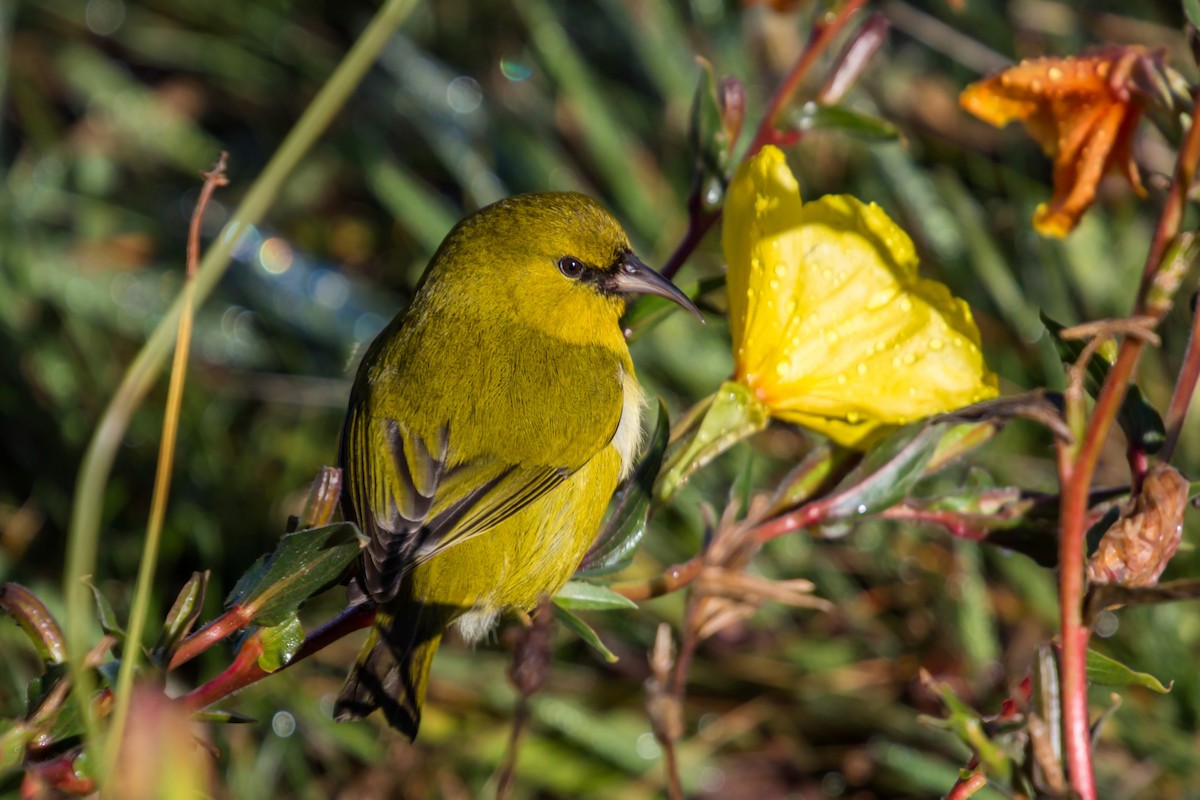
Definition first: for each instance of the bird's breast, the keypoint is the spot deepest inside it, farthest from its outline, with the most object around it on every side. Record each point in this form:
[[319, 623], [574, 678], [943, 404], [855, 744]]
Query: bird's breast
[[628, 438]]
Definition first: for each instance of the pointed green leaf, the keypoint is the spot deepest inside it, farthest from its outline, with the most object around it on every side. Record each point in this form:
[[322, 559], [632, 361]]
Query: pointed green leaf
[[888, 473], [733, 414], [584, 596], [280, 643], [813, 116], [1192, 9], [1139, 420], [621, 536], [304, 563], [108, 617], [584, 631], [182, 616], [1105, 671], [969, 726]]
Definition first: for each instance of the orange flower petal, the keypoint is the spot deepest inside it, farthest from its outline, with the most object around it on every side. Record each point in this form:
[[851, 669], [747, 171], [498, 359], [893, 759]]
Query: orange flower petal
[[1082, 111]]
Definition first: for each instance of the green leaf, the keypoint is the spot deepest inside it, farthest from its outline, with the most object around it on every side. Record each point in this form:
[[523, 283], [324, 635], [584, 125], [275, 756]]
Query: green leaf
[[280, 643], [1105, 671], [1139, 420], [808, 476], [888, 473], [1192, 9], [614, 548], [969, 726], [733, 413], [584, 596], [584, 631], [304, 564], [108, 617], [813, 116], [710, 138], [14, 737], [182, 616], [959, 440]]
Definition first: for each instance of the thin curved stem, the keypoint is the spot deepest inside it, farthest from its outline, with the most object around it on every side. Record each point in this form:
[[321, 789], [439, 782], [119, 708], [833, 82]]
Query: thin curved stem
[[96, 466]]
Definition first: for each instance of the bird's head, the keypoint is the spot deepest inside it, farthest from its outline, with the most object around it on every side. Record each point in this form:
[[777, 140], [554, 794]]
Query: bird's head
[[557, 260]]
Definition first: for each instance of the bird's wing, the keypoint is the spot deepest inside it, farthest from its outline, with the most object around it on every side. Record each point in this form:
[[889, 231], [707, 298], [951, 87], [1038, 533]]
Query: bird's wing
[[413, 503]]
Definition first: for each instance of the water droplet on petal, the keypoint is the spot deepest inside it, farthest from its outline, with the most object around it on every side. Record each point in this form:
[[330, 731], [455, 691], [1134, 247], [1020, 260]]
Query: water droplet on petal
[[936, 344], [853, 417], [780, 269], [841, 379], [905, 305], [862, 369], [862, 508]]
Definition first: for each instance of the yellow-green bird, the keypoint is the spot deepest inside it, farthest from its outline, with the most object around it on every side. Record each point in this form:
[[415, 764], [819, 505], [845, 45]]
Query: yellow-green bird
[[488, 427]]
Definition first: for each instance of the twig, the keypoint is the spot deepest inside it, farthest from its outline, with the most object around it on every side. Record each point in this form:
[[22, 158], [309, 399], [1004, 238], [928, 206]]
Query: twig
[[245, 669], [528, 673], [669, 580], [663, 707], [823, 33], [850, 64], [1076, 469], [162, 477], [219, 629]]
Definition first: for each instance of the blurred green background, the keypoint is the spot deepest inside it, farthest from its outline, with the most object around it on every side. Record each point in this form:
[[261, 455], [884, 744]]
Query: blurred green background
[[112, 108]]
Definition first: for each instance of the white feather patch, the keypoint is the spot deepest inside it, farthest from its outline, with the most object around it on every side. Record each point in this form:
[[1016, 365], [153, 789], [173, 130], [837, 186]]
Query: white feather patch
[[628, 438], [477, 623]]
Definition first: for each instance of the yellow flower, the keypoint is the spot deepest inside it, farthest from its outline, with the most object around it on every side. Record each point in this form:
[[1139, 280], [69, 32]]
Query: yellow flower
[[832, 327]]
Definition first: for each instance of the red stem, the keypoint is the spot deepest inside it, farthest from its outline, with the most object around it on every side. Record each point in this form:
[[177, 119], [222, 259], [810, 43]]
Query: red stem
[[1075, 476], [220, 628], [700, 222], [672, 578], [822, 34], [245, 669]]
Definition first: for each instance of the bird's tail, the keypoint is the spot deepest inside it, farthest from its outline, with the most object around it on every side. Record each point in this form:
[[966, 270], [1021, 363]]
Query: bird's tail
[[392, 672]]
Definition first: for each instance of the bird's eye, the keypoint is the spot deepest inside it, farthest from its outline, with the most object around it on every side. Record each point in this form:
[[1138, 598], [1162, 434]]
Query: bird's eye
[[571, 267]]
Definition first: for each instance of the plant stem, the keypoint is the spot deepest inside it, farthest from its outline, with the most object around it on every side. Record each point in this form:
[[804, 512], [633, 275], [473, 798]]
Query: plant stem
[[219, 629], [245, 669], [701, 221], [1075, 475], [162, 477], [87, 508], [822, 34], [669, 580]]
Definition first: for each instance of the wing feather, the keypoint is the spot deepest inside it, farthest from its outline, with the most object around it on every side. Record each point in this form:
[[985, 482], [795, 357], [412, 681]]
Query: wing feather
[[416, 505]]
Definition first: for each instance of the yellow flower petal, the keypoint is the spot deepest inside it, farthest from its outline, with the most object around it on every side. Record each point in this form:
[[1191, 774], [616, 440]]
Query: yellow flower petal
[[832, 327]]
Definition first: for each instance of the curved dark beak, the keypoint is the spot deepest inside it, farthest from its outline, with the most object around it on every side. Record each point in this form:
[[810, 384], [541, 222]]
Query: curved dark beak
[[634, 277]]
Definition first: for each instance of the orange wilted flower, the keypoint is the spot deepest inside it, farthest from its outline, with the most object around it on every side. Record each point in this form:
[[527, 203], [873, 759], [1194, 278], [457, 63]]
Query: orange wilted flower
[[1083, 112]]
